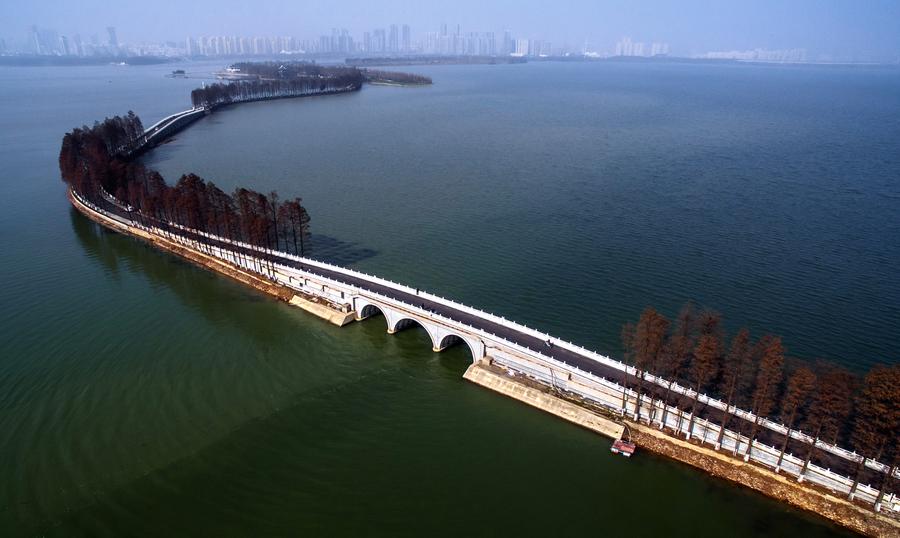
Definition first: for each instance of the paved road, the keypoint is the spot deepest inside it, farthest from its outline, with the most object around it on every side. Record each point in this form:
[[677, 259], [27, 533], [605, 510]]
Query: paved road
[[769, 437]]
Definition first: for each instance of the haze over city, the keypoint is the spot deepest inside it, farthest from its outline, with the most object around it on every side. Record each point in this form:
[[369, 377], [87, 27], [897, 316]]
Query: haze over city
[[824, 31]]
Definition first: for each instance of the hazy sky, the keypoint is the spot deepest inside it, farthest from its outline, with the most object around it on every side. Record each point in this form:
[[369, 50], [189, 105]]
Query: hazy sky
[[862, 28]]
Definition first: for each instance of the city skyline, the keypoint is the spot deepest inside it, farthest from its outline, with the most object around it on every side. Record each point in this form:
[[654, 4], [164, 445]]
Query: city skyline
[[396, 38], [836, 30], [393, 39]]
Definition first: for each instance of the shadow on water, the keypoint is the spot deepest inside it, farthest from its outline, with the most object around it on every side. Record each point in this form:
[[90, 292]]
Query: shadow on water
[[219, 300], [96, 242], [215, 297], [332, 250]]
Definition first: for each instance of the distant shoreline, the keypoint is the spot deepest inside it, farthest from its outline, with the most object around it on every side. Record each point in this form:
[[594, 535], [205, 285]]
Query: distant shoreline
[[373, 61], [20, 60], [395, 84], [433, 60], [72, 61]]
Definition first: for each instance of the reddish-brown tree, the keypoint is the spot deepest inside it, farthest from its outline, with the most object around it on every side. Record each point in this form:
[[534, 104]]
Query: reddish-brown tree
[[800, 386], [677, 353], [703, 368], [736, 370], [96, 163], [877, 420], [295, 222], [831, 404], [649, 337], [706, 324], [627, 336], [768, 379]]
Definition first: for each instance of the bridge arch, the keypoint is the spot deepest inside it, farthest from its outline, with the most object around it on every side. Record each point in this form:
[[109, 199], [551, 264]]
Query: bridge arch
[[368, 311], [396, 320], [441, 336], [450, 340], [447, 337], [406, 321]]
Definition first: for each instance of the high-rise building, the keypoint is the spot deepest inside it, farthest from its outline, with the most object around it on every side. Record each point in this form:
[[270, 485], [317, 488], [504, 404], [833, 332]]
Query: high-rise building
[[509, 45], [345, 42], [35, 40], [45, 41], [487, 45], [79, 45], [379, 41], [394, 39], [113, 39], [406, 39], [627, 47], [521, 47], [624, 47]]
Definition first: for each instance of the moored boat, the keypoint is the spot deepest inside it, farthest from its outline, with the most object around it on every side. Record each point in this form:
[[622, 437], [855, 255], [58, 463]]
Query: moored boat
[[624, 448]]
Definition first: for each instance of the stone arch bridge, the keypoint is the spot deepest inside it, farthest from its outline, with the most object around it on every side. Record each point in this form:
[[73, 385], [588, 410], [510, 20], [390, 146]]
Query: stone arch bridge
[[442, 334], [495, 341]]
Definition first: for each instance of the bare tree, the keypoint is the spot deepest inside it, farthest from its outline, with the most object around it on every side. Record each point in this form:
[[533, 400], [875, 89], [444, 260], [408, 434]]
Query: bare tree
[[627, 336], [831, 404], [893, 460], [877, 420], [97, 164], [703, 368], [277, 80], [676, 353], [296, 222], [735, 377], [768, 379], [649, 336], [800, 386]]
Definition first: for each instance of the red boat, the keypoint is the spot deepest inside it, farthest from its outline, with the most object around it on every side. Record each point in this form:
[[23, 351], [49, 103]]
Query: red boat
[[624, 448], [623, 444]]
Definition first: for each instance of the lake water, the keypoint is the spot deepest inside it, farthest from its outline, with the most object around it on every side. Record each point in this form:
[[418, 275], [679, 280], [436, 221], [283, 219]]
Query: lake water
[[142, 396]]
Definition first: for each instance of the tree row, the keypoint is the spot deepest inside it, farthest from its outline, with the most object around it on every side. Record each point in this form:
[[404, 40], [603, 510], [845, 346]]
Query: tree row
[[293, 70], [825, 401], [276, 81], [92, 162]]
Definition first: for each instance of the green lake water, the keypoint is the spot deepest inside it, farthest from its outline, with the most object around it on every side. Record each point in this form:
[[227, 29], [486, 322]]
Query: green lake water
[[142, 396]]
